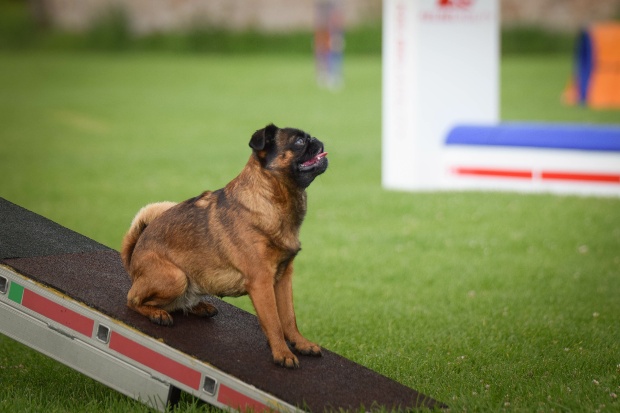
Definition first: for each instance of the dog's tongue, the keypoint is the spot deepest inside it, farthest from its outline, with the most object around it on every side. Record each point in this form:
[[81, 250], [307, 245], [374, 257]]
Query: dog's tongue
[[315, 159]]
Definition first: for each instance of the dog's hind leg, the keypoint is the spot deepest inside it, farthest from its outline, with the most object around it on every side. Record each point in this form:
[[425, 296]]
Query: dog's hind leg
[[204, 309], [157, 285]]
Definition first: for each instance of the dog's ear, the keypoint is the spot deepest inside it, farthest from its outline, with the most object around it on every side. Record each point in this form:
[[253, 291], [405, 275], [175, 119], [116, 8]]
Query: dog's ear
[[263, 137]]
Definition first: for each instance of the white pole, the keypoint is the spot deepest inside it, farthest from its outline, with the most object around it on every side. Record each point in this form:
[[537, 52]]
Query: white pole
[[440, 68]]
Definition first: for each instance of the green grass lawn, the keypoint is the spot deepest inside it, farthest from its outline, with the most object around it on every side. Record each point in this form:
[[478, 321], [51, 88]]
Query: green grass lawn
[[486, 301]]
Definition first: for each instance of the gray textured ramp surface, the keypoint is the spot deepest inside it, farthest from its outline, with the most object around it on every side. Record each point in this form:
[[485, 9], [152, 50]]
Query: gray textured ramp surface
[[232, 341], [26, 234]]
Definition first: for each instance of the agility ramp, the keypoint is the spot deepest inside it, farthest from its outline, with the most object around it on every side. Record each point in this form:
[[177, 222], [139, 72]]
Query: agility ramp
[[64, 295]]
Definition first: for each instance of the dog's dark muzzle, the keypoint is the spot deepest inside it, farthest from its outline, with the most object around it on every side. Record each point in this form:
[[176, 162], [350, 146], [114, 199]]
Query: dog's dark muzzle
[[318, 160]]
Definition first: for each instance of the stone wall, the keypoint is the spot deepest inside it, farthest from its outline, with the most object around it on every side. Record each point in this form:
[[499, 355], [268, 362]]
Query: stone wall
[[559, 15], [147, 16]]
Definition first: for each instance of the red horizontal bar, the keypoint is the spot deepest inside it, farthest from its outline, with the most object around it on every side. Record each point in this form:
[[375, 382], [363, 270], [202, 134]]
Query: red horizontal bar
[[61, 314], [577, 176], [240, 401], [499, 173], [155, 360], [545, 175]]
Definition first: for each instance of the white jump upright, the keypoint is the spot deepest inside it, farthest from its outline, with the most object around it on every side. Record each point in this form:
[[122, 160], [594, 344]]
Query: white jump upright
[[441, 125], [440, 69]]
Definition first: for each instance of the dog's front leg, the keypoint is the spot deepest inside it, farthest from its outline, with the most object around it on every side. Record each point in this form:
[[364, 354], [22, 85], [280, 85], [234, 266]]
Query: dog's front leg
[[286, 310], [263, 297]]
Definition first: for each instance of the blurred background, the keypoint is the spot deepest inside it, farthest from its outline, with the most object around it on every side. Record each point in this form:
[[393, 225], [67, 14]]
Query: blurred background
[[528, 25]]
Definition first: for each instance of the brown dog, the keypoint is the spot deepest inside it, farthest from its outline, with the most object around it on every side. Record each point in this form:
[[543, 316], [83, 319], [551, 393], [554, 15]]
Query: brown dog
[[241, 239]]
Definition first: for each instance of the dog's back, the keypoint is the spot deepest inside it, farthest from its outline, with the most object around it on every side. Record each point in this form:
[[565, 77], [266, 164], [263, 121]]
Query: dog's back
[[142, 219]]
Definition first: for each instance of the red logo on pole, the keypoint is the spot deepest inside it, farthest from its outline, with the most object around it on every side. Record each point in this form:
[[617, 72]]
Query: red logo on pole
[[459, 4]]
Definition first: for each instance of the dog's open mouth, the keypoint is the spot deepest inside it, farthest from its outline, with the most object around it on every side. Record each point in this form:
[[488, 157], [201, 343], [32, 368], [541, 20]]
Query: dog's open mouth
[[310, 163]]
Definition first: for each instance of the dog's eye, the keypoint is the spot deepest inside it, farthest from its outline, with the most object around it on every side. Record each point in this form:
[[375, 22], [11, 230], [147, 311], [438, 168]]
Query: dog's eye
[[300, 142]]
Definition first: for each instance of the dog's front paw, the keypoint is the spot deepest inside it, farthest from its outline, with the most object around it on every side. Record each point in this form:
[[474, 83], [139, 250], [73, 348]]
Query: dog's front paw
[[286, 359], [308, 349]]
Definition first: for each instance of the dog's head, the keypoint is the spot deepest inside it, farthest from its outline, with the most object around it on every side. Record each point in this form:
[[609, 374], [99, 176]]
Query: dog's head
[[290, 151]]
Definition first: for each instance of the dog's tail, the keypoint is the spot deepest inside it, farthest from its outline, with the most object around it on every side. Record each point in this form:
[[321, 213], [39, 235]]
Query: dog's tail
[[142, 219]]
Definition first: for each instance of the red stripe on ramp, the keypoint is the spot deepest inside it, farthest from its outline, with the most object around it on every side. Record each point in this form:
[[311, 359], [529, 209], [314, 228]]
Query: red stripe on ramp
[[155, 360], [60, 314], [240, 401]]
